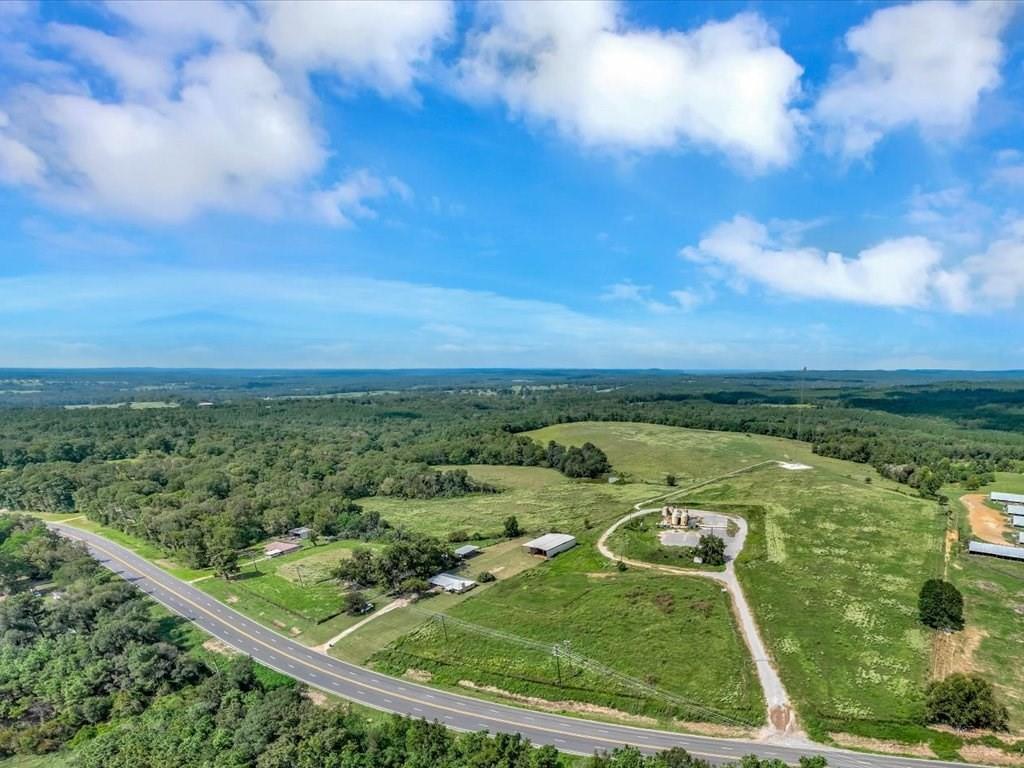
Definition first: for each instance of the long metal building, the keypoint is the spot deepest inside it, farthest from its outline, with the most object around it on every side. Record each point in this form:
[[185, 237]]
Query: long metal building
[[1006, 498], [995, 550]]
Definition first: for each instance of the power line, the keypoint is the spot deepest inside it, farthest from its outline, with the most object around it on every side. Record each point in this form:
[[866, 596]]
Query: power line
[[562, 651]]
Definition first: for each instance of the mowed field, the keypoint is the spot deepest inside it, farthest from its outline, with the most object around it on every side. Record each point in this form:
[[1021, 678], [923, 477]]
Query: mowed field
[[640, 624], [832, 567]]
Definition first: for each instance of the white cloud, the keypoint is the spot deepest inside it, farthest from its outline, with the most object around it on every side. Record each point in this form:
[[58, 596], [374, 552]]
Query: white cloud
[[901, 272], [182, 109], [230, 139], [349, 199], [18, 163], [725, 85], [383, 46], [1009, 168], [924, 65], [998, 272]]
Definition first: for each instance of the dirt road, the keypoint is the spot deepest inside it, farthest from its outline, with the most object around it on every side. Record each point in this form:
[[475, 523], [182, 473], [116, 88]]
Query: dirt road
[[986, 523], [781, 716]]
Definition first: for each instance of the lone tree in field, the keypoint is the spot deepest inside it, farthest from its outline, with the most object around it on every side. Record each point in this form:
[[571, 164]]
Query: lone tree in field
[[711, 550], [225, 562], [965, 701], [940, 605], [512, 528]]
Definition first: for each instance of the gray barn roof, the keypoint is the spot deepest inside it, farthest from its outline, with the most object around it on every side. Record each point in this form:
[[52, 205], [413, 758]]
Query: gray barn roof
[[466, 549], [448, 581], [1007, 498], [998, 550], [549, 541]]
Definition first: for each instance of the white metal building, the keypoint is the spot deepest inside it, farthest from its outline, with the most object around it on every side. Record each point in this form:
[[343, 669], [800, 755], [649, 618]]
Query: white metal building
[[1006, 498], [550, 544], [451, 583], [467, 550], [996, 550], [1018, 521], [1015, 509]]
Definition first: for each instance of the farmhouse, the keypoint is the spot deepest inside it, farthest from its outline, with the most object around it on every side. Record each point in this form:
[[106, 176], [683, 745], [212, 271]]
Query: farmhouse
[[466, 551], [995, 550], [550, 544], [450, 583], [277, 548], [300, 533], [1006, 498]]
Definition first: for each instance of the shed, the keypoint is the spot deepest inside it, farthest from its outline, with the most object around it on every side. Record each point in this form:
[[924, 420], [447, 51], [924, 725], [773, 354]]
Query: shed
[[1018, 521], [451, 583], [276, 548], [996, 550], [467, 550], [1006, 498], [550, 544], [300, 533]]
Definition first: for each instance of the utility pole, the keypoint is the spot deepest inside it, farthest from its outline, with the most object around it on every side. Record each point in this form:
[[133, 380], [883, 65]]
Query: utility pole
[[444, 629]]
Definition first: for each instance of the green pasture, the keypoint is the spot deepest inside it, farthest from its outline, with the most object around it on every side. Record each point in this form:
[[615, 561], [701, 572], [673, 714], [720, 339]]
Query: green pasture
[[671, 633]]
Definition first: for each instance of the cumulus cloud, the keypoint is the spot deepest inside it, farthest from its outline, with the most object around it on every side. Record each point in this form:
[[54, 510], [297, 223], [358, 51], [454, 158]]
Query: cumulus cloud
[[998, 271], [384, 47], [350, 198], [923, 65], [901, 272], [186, 108], [584, 69]]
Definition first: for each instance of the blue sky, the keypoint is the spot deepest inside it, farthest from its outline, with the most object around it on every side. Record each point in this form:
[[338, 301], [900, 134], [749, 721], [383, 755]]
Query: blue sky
[[698, 185]]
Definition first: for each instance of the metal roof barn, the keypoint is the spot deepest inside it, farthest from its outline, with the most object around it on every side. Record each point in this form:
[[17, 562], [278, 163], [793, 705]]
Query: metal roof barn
[[1015, 509], [450, 583], [550, 544], [1006, 498], [467, 550], [1018, 521], [996, 550]]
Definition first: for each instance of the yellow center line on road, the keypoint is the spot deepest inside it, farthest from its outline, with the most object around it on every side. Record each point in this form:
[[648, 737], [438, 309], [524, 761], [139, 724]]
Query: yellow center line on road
[[382, 691]]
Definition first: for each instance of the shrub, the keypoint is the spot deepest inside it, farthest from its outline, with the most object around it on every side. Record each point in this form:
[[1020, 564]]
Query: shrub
[[456, 537], [940, 605], [711, 550], [356, 603], [965, 701], [414, 586], [486, 577], [512, 528]]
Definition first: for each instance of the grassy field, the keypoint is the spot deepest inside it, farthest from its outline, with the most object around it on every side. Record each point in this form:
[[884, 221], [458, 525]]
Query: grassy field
[[644, 625], [832, 566], [541, 500], [293, 593]]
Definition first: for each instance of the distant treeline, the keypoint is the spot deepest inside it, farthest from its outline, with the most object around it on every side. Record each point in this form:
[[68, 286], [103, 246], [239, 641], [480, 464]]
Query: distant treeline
[[194, 479]]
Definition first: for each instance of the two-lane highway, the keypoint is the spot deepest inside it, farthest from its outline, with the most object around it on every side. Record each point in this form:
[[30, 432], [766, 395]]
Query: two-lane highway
[[465, 713]]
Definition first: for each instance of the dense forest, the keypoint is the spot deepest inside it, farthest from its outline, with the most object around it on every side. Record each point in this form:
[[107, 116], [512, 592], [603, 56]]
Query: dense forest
[[89, 666], [201, 479]]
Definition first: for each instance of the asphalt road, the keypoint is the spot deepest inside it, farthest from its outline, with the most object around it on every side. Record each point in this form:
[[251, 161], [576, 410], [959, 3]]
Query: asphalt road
[[392, 694]]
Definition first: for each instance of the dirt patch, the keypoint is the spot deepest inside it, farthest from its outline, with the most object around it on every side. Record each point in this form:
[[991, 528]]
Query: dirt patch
[[216, 646], [231, 599], [294, 631], [280, 624], [978, 753], [418, 675], [879, 745], [319, 698], [606, 575], [714, 729], [988, 586], [986, 523], [954, 651], [794, 466]]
